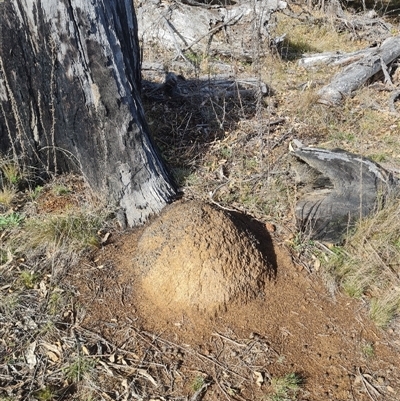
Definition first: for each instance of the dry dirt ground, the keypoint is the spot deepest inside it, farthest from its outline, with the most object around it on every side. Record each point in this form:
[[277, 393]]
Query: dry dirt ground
[[286, 323]]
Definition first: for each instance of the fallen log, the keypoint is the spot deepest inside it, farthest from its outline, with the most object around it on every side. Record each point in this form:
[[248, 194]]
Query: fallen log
[[343, 187], [357, 74], [178, 88], [333, 58], [231, 30]]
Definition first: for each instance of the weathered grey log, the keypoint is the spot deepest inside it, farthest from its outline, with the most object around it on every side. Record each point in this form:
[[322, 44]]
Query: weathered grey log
[[344, 187], [357, 74], [176, 87], [70, 98], [229, 30], [333, 58]]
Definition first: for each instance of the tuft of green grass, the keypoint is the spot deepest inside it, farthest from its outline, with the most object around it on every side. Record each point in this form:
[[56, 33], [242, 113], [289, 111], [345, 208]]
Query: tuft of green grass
[[54, 303], [285, 388], [10, 220], [184, 176], [35, 193], [8, 304], [79, 369], [383, 310], [60, 190], [28, 279], [12, 173], [368, 350], [379, 157], [45, 394], [198, 383]]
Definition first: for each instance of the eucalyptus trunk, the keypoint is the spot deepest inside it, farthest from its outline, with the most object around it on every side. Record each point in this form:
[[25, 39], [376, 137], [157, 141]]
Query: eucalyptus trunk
[[70, 99]]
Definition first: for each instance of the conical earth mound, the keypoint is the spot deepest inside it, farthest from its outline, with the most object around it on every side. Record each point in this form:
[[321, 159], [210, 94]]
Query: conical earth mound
[[194, 258]]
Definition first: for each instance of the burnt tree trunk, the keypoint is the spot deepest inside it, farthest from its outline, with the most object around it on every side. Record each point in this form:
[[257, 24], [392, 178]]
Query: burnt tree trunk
[[70, 98]]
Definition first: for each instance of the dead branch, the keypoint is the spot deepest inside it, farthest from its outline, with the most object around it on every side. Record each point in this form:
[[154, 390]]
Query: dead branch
[[357, 74], [176, 87], [333, 58]]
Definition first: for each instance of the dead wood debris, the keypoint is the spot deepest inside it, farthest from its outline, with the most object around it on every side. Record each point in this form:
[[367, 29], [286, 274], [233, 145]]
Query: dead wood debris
[[340, 188], [364, 26], [207, 28], [360, 72], [177, 87]]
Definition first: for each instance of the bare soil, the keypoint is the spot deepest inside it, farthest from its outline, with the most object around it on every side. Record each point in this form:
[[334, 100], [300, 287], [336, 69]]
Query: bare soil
[[210, 303]]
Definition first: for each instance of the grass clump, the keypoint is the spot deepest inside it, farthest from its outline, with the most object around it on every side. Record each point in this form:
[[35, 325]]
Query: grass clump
[[28, 279], [368, 265], [285, 388], [368, 350], [11, 173], [198, 383], [79, 369], [10, 220], [75, 231], [7, 195], [45, 394]]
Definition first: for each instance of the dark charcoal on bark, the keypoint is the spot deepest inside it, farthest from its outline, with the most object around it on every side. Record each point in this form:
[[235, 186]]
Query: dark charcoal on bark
[[70, 98], [344, 187]]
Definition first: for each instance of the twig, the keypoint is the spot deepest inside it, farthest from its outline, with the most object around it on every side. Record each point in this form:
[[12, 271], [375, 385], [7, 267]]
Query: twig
[[235, 18], [367, 384], [211, 195], [229, 339], [218, 363]]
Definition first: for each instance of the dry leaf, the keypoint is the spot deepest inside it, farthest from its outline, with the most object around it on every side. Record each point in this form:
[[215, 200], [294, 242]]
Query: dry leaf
[[270, 227], [52, 356], [52, 348], [85, 350]]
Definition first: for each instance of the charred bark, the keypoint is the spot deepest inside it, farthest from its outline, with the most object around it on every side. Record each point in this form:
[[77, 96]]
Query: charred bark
[[342, 188], [70, 98]]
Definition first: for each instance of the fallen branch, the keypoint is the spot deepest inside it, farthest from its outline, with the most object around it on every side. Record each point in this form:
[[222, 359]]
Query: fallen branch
[[333, 58], [357, 74], [176, 87]]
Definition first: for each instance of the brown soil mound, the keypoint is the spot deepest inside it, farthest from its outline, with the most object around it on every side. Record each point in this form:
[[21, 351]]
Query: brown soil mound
[[195, 258]]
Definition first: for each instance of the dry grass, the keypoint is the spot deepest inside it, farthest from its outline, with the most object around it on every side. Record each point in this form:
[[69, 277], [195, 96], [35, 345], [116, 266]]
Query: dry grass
[[7, 195], [73, 231], [369, 263]]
